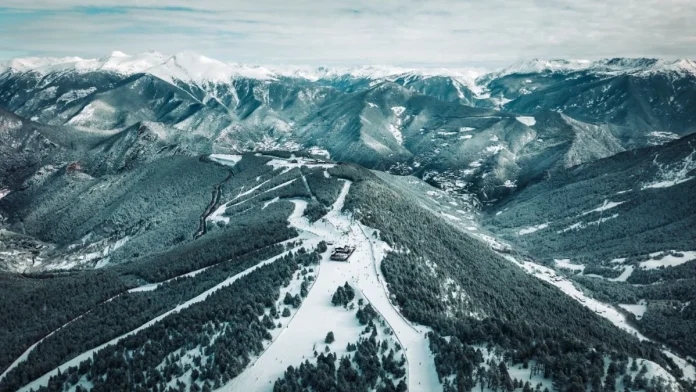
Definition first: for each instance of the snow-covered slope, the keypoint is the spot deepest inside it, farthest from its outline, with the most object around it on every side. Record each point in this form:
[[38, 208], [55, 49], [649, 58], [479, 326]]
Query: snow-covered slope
[[605, 66]]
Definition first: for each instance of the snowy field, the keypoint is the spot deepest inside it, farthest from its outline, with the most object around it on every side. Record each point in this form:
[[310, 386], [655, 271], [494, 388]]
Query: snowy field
[[526, 120], [637, 309], [566, 264], [533, 229], [293, 162], [669, 260], [225, 159], [317, 315]]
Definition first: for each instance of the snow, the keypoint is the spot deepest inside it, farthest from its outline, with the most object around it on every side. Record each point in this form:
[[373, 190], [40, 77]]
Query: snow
[[583, 225], [94, 110], [146, 287], [606, 206], [226, 159], [154, 286], [296, 342], [43, 380], [687, 368], [274, 200], [495, 149], [627, 272], [666, 183], [451, 217], [74, 95], [23, 357], [396, 133], [190, 67], [668, 261], [314, 150], [533, 229], [655, 370], [540, 65], [637, 309], [466, 129], [671, 175], [398, 110], [657, 137], [634, 66], [4, 192], [296, 162], [566, 264], [604, 310], [465, 137], [526, 120], [517, 371]]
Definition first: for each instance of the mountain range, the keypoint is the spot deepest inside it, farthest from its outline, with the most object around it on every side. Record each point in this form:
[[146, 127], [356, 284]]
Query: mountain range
[[168, 223]]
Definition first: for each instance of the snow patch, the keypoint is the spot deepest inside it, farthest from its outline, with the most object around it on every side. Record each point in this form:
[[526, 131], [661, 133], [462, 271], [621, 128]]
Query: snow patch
[[583, 225], [396, 133], [398, 110], [533, 229], [314, 150], [526, 120], [296, 162], [226, 159], [637, 309], [670, 260], [671, 175], [566, 264], [606, 206]]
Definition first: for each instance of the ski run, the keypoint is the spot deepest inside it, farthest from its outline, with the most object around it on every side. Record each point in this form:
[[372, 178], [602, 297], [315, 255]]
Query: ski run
[[308, 326], [317, 316]]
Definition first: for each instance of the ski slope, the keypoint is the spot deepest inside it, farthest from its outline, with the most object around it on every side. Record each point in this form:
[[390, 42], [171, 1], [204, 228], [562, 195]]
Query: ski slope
[[317, 315]]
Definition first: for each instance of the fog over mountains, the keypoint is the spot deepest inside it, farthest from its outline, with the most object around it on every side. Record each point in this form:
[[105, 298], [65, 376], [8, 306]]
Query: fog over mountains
[[167, 223]]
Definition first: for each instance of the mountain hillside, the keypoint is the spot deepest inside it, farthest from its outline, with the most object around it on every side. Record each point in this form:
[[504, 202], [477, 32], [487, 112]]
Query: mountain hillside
[[408, 121], [176, 223], [622, 227], [192, 265]]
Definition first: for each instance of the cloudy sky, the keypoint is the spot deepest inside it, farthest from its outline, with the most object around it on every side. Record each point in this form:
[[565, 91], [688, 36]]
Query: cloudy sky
[[447, 33]]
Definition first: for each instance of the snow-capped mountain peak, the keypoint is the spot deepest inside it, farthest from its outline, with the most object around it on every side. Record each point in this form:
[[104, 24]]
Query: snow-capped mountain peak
[[192, 67], [195, 68], [540, 65], [122, 63], [621, 65]]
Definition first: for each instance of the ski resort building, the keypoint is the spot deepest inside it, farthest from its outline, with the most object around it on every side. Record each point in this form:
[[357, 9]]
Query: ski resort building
[[342, 253]]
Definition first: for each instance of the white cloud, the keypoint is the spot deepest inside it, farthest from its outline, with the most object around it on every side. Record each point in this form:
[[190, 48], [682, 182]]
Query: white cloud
[[433, 33]]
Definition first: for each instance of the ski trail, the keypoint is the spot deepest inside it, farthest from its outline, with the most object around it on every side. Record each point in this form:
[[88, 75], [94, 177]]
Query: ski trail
[[317, 316], [43, 380]]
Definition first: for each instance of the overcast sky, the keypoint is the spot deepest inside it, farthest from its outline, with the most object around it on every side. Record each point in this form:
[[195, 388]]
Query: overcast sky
[[444, 33]]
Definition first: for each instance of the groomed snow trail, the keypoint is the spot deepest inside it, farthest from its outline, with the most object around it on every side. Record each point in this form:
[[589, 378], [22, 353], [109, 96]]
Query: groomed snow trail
[[317, 316], [43, 380]]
